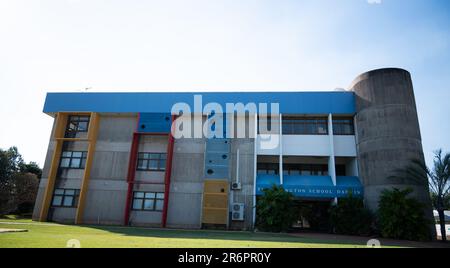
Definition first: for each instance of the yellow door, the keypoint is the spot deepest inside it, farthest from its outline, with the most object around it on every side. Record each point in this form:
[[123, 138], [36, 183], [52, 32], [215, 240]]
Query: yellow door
[[215, 202]]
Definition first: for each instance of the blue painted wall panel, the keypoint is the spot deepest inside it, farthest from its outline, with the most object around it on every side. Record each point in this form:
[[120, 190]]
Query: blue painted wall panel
[[154, 122], [219, 172], [217, 167], [217, 145], [217, 158]]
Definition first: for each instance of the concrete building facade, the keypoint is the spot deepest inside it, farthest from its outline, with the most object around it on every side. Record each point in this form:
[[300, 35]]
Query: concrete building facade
[[116, 158]]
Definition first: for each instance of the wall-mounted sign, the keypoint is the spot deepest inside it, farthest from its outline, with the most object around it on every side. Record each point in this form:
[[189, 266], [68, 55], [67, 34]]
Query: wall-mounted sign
[[316, 191]]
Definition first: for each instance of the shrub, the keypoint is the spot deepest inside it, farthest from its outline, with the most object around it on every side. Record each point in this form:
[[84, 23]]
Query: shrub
[[350, 217], [401, 217], [317, 215], [275, 210]]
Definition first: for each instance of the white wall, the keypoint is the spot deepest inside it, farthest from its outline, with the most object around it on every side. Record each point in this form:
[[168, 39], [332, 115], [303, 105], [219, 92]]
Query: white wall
[[268, 144], [344, 145], [300, 145], [309, 145]]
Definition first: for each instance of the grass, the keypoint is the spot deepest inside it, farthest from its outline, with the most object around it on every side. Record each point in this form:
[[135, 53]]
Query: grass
[[15, 218], [51, 235]]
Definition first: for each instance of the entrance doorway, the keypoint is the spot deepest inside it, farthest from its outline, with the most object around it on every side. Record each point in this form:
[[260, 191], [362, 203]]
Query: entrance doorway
[[312, 215]]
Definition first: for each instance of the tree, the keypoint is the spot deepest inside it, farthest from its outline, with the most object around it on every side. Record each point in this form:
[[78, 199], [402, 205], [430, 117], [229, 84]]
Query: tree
[[400, 216], [10, 162], [440, 185], [438, 179], [31, 167], [25, 191], [6, 197], [275, 212], [434, 201], [18, 186]]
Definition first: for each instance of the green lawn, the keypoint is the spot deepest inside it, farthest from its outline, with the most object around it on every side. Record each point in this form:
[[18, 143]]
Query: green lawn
[[41, 235]]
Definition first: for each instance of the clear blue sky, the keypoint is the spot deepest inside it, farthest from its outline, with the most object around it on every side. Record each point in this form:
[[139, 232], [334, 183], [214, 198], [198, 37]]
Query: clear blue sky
[[215, 45]]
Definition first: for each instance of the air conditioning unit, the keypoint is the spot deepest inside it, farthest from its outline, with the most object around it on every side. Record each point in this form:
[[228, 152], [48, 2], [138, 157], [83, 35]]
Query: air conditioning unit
[[237, 211], [236, 186]]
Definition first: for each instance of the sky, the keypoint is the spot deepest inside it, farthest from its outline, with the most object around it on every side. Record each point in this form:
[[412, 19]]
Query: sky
[[215, 45]]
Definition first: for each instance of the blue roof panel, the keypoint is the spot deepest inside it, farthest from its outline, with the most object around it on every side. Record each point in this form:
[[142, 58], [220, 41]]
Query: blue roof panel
[[335, 102]]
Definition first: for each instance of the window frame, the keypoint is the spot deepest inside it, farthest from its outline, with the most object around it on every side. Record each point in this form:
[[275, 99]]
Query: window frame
[[147, 158], [305, 124], [272, 126], [313, 169], [266, 167], [75, 120], [144, 198], [82, 164], [340, 121], [75, 196]]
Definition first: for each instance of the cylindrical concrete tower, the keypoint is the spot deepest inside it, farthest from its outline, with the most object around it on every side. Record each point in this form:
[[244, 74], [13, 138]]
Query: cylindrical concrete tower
[[388, 134]]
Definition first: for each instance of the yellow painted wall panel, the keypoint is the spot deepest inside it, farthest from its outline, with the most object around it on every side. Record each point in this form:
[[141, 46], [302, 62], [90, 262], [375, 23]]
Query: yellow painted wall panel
[[215, 202]]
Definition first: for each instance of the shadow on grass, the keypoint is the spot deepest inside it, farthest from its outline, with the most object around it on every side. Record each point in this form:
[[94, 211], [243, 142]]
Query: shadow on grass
[[15, 217], [300, 237], [224, 235]]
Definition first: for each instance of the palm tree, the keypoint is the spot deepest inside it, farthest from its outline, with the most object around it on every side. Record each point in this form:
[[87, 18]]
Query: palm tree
[[438, 180]]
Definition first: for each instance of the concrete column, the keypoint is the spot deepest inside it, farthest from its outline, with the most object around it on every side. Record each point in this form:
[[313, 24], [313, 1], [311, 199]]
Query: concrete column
[[281, 150], [331, 160], [255, 143], [388, 134]]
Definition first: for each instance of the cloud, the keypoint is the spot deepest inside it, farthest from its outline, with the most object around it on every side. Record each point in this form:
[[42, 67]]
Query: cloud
[[372, 2]]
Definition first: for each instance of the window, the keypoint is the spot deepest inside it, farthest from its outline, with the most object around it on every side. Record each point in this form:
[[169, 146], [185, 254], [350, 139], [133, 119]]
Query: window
[[305, 126], [267, 168], [152, 161], [70, 159], [76, 124], [343, 126], [340, 170], [268, 126], [305, 169], [65, 197], [148, 201]]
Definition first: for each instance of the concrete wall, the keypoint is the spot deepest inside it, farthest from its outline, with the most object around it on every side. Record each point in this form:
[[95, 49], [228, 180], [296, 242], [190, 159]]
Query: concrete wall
[[388, 133], [150, 181], [106, 198], [45, 171], [186, 188], [105, 202], [147, 218], [186, 191], [246, 177]]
